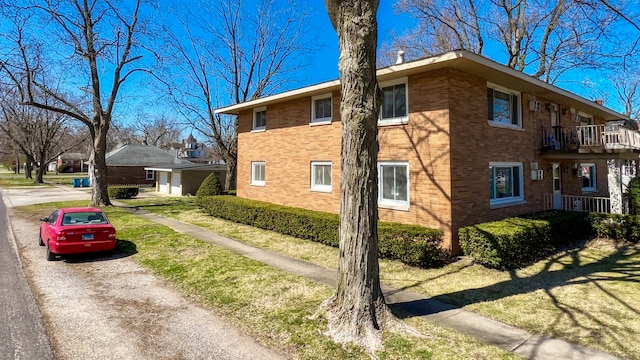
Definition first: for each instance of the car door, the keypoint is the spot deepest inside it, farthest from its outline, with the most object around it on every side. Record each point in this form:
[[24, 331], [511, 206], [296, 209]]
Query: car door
[[48, 226]]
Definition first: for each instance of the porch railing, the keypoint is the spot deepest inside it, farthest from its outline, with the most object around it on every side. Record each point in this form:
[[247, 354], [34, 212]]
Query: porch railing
[[582, 203], [604, 136]]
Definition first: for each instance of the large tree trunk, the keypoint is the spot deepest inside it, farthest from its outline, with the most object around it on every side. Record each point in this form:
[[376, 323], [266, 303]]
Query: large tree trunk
[[230, 180], [28, 166], [98, 175], [357, 312]]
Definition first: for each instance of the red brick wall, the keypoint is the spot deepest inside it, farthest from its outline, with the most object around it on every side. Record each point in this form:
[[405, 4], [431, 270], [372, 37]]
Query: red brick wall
[[448, 144], [124, 175]]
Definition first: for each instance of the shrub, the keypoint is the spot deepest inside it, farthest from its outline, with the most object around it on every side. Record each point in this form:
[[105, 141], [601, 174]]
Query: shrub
[[122, 192], [617, 227], [507, 244], [413, 245], [210, 186], [633, 191]]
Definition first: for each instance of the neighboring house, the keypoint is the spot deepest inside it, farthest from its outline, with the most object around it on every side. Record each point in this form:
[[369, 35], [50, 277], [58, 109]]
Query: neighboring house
[[196, 152], [71, 162], [463, 140], [126, 164], [185, 179]]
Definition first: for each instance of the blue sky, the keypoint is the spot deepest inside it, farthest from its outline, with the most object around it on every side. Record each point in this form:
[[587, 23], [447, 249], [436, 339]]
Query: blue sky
[[324, 63]]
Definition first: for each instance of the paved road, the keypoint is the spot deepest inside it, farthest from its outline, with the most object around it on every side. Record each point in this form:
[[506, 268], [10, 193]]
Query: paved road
[[22, 332], [109, 307]]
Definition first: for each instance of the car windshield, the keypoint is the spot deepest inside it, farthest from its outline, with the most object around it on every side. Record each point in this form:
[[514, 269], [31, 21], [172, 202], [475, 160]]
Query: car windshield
[[82, 218]]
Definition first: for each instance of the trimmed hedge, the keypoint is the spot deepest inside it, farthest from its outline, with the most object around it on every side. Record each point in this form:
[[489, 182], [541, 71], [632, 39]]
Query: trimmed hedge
[[517, 242], [122, 192], [618, 227], [413, 245]]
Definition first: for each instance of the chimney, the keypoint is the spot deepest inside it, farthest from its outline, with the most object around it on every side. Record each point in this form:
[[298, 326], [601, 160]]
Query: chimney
[[400, 58]]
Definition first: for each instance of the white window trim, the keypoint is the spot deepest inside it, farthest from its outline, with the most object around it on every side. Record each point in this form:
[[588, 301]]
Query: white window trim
[[593, 188], [512, 200], [253, 173], [153, 175], [261, 128], [400, 120], [320, 188], [510, 92], [393, 204], [324, 120]]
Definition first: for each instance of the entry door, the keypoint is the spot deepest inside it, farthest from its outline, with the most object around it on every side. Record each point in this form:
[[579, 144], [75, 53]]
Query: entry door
[[557, 186]]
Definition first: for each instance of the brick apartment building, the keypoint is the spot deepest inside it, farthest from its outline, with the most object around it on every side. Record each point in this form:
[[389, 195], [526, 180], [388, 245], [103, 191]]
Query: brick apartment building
[[463, 140]]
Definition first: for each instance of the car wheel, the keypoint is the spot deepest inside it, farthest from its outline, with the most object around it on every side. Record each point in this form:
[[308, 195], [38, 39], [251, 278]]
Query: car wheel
[[40, 240], [50, 256]]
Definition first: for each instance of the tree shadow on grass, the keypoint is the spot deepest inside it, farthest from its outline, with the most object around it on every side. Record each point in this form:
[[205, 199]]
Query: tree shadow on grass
[[563, 269]]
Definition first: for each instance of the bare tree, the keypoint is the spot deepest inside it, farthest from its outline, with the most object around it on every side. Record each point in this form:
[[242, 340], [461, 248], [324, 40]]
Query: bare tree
[[357, 312], [226, 53], [542, 38], [40, 135], [90, 47]]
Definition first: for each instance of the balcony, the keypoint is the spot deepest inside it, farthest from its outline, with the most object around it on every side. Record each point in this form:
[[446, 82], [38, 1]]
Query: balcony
[[614, 136]]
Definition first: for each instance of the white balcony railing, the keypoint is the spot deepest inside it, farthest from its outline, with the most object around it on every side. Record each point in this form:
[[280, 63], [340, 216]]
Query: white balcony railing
[[608, 137], [582, 203]]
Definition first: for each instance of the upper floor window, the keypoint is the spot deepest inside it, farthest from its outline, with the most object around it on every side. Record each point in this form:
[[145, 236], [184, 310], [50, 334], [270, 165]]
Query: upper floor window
[[505, 183], [260, 118], [588, 177], [503, 106], [321, 109], [321, 176], [393, 185], [394, 102], [258, 173]]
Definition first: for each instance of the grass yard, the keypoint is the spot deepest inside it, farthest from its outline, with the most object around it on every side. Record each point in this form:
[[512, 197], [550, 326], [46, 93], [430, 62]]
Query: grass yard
[[275, 307], [588, 295], [9, 179]]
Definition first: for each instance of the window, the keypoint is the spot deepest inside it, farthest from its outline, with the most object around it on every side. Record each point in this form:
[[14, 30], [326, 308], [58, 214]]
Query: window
[[503, 106], [257, 173], [394, 102], [393, 185], [151, 175], [588, 177], [505, 183], [321, 109], [260, 118], [321, 176]]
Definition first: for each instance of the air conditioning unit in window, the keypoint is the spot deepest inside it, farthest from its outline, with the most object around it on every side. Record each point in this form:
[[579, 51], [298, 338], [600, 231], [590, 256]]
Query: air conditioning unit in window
[[535, 105]]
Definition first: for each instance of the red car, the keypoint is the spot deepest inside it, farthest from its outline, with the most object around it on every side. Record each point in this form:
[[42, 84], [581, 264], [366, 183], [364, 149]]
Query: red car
[[76, 230]]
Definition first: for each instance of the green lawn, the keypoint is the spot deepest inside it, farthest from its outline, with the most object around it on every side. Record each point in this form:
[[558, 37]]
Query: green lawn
[[275, 307], [9, 179], [588, 295]]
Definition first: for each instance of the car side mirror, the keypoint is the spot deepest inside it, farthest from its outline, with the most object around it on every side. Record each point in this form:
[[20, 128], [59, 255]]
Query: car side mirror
[[44, 219]]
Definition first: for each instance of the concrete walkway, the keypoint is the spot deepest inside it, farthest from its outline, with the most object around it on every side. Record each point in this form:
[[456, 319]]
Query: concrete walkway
[[506, 337]]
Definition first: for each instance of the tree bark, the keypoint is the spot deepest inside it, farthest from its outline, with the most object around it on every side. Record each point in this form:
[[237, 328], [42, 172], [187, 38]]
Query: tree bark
[[357, 311], [98, 174]]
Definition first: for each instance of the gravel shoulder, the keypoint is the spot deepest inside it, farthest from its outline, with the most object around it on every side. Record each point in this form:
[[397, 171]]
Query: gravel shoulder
[[113, 308]]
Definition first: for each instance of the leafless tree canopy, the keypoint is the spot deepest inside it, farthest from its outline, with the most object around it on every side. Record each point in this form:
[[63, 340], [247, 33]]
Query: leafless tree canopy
[[90, 48], [228, 52], [542, 38]]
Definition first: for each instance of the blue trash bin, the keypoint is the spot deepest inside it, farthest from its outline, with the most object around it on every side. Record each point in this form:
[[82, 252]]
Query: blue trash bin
[[85, 182], [76, 182]]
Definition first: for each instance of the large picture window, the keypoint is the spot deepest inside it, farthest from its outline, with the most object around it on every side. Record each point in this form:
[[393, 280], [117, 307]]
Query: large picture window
[[505, 183], [394, 102], [258, 173], [321, 176], [588, 177], [503, 106], [393, 185], [321, 109]]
